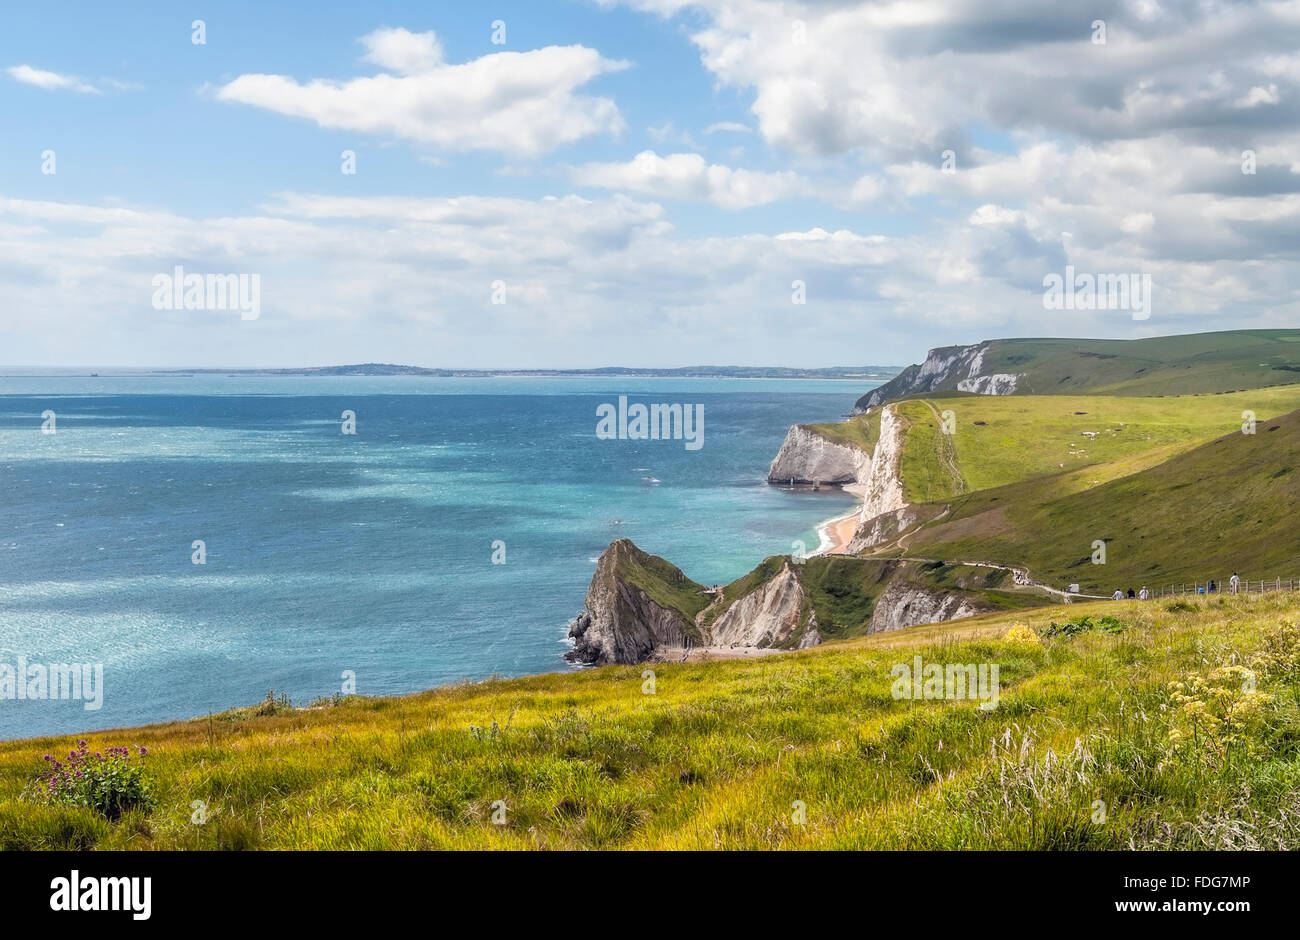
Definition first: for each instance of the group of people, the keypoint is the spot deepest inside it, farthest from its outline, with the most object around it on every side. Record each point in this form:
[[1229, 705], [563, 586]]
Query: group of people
[[1234, 585], [1142, 595]]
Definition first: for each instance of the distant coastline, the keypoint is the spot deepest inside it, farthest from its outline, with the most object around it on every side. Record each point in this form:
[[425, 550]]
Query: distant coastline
[[854, 373]]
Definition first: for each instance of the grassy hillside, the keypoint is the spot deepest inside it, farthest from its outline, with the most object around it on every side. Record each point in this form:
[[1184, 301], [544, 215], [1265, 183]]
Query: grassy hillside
[[662, 581], [862, 431], [1166, 365], [1221, 506], [1000, 440], [1090, 746]]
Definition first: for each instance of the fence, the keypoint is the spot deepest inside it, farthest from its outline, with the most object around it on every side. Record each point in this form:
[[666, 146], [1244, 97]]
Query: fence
[[1224, 587]]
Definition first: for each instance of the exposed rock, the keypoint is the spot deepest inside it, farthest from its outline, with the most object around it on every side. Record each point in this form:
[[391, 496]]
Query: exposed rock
[[771, 615], [884, 486], [808, 457], [948, 368], [999, 383], [904, 604], [882, 528], [621, 623]]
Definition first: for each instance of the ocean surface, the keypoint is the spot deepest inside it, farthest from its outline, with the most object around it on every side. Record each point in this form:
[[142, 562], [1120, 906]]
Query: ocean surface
[[370, 553]]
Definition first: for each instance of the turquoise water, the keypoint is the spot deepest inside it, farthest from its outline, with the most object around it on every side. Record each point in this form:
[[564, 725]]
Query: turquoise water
[[370, 553]]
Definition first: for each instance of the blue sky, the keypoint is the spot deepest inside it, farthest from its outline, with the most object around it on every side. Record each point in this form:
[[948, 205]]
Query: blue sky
[[648, 179]]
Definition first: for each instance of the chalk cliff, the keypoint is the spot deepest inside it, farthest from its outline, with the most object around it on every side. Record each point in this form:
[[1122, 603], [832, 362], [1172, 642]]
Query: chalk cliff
[[808, 457], [947, 368], [636, 603], [774, 615], [905, 604]]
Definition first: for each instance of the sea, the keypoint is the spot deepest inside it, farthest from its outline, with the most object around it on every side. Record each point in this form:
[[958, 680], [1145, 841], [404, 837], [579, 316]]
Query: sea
[[206, 539]]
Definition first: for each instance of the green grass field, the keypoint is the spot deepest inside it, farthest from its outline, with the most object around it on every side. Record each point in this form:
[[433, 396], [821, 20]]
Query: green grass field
[[861, 432], [1218, 507], [1090, 746], [1000, 440], [1197, 363]]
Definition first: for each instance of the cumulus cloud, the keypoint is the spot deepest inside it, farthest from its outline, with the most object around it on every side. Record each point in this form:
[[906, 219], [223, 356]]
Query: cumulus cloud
[[688, 176], [520, 103], [610, 280], [399, 50]]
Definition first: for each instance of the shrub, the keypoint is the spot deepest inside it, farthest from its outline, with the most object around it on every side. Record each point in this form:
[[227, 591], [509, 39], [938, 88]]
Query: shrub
[[1019, 633], [106, 782], [1103, 624], [1216, 713]]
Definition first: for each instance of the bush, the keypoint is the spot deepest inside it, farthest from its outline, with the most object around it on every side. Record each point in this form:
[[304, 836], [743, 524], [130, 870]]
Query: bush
[[1103, 624], [1020, 633], [106, 782]]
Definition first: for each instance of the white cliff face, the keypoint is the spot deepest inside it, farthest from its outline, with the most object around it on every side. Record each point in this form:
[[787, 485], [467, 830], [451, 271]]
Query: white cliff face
[[767, 616], [906, 605], [883, 528], [944, 369], [999, 383], [807, 457], [884, 486]]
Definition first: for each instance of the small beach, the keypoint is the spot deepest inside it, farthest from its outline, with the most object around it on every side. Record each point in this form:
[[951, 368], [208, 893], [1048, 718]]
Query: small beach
[[836, 534]]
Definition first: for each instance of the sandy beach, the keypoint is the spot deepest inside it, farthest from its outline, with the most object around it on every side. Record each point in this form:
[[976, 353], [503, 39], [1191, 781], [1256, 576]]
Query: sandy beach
[[835, 534]]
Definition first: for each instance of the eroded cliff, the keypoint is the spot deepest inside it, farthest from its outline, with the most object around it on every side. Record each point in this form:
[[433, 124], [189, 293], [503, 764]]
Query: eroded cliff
[[807, 456]]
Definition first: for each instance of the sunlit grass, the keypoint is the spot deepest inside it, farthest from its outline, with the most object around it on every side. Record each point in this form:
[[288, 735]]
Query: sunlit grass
[[722, 754]]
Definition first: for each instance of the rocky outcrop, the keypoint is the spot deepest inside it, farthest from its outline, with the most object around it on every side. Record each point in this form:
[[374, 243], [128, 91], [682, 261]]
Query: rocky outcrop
[[641, 608], [808, 457], [621, 622], [948, 368], [772, 615], [883, 528], [999, 383], [906, 604], [624, 622], [884, 485]]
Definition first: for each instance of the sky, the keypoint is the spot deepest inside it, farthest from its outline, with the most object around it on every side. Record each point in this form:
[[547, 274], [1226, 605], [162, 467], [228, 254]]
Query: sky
[[586, 183]]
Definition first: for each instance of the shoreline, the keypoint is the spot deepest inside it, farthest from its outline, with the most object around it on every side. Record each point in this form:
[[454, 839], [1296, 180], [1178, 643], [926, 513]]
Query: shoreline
[[835, 534]]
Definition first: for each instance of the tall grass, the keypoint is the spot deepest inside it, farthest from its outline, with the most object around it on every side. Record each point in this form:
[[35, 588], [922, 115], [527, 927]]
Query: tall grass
[[803, 750]]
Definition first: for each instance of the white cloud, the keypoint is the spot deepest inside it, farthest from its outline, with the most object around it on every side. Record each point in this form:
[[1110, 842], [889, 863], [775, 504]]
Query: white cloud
[[731, 127], [399, 50], [49, 80], [895, 80], [521, 103], [688, 176], [588, 281]]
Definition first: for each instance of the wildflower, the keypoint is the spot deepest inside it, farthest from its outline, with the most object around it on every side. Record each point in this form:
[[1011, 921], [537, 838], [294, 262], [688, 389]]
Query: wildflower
[[1020, 633]]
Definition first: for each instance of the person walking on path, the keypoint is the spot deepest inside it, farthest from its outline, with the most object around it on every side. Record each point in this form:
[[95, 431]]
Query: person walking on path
[[1144, 594], [1119, 595], [1234, 583]]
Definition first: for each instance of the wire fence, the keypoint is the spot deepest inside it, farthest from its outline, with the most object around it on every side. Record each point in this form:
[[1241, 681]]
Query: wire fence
[[1225, 586], [1212, 587]]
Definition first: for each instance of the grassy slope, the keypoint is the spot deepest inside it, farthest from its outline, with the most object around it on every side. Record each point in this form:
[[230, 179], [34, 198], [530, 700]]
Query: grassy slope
[[1022, 437], [661, 580], [1179, 365], [716, 757], [1221, 506], [861, 432], [1192, 363]]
